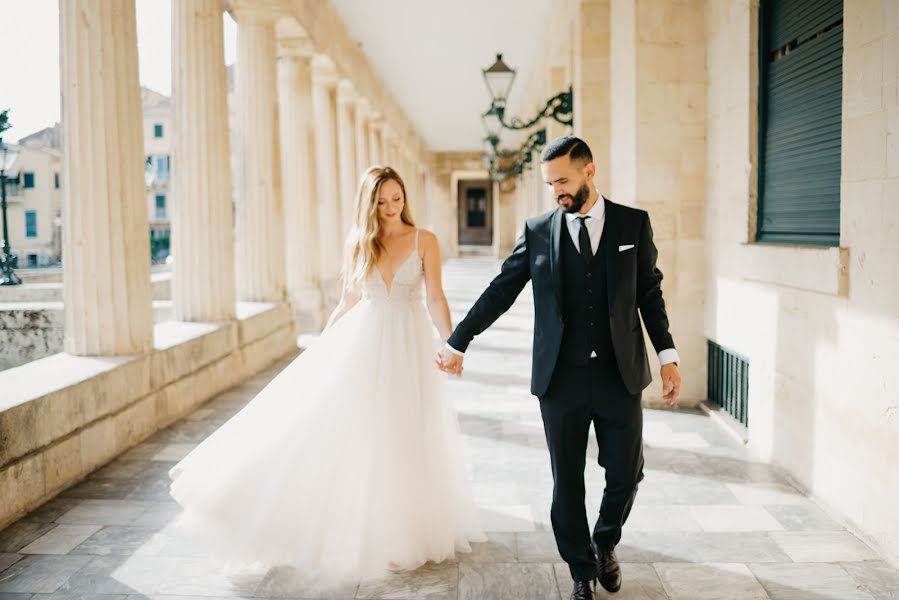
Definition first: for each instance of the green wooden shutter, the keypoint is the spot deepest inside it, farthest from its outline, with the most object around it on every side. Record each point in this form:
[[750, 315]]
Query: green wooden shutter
[[800, 109]]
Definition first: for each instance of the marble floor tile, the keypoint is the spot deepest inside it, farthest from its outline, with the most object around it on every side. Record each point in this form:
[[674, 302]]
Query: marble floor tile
[[52, 510], [710, 581], [40, 574], [766, 493], [20, 534], [507, 517], [7, 559], [173, 452], [874, 577], [117, 575], [802, 517], [661, 517], [285, 582], [737, 517], [507, 582], [68, 596], [200, 576], [115, 539], [105, 512], [94, 487], [826, 546], [143, 451], [537, 547], [122, 469], [61, 539], [431, 582], [500, 547], [803, 581], [643, 547]]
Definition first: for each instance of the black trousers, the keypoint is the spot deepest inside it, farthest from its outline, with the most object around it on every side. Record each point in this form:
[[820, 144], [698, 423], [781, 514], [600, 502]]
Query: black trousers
[[576, 397]]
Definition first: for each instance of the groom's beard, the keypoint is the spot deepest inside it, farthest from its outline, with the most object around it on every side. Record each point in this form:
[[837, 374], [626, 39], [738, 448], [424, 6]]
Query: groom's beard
[[578, 200]]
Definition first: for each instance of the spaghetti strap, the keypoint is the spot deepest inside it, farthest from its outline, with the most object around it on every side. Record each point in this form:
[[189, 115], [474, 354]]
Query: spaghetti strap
[[416, 238]]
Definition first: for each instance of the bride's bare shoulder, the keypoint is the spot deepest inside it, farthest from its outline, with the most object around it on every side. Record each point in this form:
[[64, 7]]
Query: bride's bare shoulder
[[428, 244], [427, 237]]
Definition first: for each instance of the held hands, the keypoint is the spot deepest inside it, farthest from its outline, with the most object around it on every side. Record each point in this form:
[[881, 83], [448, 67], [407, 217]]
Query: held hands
[[449, 362], [671, 383]]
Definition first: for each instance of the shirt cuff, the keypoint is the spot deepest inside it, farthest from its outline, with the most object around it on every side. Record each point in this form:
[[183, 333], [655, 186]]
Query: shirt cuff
[[453, 350], [668, 356]]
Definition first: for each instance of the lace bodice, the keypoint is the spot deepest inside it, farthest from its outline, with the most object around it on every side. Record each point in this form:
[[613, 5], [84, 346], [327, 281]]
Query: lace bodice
[[406, 286]]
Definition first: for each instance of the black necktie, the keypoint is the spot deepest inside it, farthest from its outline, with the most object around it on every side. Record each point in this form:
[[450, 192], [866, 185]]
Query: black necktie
[[583, 240]]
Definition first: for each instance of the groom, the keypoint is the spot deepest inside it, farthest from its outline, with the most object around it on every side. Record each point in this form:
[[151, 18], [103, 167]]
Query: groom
[[592, 264]]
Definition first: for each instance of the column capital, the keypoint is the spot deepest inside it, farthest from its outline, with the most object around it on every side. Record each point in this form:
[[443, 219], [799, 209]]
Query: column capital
[[324, 72], [296, 47], [363, 108], [247, 12], [346, 92]]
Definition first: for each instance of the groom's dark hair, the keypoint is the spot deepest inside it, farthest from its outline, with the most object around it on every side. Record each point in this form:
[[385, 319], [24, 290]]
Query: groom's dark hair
[[568, 145]]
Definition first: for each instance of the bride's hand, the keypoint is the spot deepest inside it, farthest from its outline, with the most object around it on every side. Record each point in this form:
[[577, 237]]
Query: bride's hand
[[449, 362]]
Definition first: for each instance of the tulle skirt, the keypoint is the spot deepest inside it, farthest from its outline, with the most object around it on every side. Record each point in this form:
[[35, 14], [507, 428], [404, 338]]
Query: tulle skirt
[[348, 463]]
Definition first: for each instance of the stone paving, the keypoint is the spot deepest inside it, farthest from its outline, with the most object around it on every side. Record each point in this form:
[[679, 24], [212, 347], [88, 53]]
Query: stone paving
[[708, 522]]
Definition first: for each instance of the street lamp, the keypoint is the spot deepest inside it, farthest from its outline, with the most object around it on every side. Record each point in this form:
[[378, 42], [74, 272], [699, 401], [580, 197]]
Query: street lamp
[[7, 259], [499, 78]]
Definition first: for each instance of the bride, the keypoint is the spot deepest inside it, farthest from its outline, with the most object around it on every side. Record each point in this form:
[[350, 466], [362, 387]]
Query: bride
[[349, 462]]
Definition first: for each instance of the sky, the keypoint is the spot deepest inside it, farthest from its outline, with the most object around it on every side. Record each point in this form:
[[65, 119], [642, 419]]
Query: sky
[[29, 50]]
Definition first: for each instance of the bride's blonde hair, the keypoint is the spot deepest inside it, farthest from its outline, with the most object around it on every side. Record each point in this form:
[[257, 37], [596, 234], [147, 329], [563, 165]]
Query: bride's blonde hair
[[364, 248]]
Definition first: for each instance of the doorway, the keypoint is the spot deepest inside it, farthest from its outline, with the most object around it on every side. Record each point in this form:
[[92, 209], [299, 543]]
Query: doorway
[[475, 212]]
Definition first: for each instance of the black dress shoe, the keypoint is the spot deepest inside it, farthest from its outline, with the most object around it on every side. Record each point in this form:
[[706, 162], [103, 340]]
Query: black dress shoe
[[583, 590], [607, 565]]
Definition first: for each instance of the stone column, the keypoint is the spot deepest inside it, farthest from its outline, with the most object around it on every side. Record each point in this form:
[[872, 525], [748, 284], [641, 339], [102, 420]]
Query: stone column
[[658, 88], [375, 157], [387, 158], [346, 154], [363, 161], [260, 215], [591, 91], [106, 241], [298, 180], [324, 82], [202, 217]]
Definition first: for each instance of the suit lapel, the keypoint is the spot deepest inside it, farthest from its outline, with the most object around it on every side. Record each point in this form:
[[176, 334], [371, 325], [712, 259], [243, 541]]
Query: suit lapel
[[610, 242], [555, 232]]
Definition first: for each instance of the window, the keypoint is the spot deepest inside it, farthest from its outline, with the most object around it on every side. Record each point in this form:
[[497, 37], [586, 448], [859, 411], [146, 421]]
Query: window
[[28, 180], [800, 112], [160, 206], [163, 164], [157, 130], [56, 181], [32, 260], [30, 223]]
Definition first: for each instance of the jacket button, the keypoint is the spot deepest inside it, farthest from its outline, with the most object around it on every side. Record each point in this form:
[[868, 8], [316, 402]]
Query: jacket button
[[589, 275]]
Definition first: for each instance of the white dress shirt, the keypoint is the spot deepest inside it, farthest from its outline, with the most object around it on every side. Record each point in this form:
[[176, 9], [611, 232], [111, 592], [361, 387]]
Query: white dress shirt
[[595, 223]]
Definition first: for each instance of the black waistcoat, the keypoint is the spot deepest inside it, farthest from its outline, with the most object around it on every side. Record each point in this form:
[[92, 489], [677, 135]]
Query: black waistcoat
[[585, 305]]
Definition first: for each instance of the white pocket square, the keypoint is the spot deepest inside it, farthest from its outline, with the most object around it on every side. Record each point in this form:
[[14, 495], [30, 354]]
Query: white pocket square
[[625, 247]]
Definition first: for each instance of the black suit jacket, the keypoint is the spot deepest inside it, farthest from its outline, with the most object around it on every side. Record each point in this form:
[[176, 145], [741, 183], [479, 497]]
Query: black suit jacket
[[634, 282]]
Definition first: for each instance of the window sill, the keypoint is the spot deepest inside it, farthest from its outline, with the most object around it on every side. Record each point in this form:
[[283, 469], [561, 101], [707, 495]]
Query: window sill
[[824, 270]]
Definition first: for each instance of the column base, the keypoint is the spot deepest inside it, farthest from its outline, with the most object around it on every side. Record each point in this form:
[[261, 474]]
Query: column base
[[330, 290], [308, 309]]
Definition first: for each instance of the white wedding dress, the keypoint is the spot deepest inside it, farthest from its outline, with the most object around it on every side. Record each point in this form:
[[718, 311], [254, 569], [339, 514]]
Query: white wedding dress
[[349, 462]]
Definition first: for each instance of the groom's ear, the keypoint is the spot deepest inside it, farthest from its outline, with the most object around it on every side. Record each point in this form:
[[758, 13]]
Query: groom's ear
[[590, 170]]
